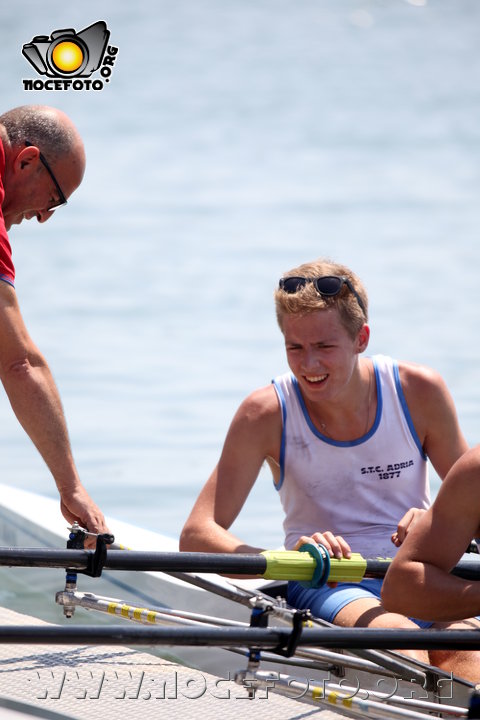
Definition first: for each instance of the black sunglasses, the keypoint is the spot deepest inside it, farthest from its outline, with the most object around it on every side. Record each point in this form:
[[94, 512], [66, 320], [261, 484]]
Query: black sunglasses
[[327, 285], [62, 200]]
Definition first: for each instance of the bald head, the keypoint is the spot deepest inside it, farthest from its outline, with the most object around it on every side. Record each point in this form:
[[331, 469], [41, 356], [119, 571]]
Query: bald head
[[50, 129], [30, 132]]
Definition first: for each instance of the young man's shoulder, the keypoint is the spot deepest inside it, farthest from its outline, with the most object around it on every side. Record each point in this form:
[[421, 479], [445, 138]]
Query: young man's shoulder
[[258, 420], [433, 412], [419, 378], [262, 402]]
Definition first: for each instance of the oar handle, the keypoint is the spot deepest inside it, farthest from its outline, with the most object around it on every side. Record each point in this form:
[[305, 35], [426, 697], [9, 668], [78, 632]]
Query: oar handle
[[312, 566]]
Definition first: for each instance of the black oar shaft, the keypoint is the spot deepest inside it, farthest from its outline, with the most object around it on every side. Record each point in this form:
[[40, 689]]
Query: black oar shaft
[[377, 568], [222, 563], [189, 562], [271, 638], [136, 560], [42, 557]]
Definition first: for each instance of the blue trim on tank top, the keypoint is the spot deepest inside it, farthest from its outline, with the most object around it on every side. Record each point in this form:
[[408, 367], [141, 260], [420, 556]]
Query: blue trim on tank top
[[344, 443], [406, 411], [283, 404]]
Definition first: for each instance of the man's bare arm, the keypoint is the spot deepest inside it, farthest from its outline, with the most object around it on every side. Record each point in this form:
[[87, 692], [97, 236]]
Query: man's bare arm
[[254, 435], [419, 582], [36, 402]]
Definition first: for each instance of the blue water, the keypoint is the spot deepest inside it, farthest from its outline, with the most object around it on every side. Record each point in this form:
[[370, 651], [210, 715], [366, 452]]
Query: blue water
[[236, 139]]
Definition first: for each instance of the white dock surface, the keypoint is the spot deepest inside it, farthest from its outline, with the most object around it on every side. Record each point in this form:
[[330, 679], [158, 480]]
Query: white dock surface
[[119, 683]]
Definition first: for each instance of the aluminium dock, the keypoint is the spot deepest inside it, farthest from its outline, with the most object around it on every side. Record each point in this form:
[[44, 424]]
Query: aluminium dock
[[119, 683]]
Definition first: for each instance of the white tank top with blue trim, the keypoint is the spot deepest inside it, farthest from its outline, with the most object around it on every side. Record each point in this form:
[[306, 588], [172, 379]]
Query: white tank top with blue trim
[[358, 489]]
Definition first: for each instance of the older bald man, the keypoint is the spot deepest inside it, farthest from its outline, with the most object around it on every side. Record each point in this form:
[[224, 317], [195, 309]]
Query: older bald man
[[42, 161]]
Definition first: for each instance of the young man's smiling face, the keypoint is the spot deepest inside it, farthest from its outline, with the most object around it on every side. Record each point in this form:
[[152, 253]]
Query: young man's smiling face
[[321, 353]]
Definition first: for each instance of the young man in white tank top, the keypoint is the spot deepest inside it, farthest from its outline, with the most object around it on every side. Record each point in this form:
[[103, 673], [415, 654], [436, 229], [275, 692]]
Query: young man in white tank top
[[347, 439]]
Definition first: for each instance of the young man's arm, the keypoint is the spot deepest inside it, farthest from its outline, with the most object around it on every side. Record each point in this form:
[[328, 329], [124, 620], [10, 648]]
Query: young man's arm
[[434, 416], [254, 435], [419, 582], [35, 400]]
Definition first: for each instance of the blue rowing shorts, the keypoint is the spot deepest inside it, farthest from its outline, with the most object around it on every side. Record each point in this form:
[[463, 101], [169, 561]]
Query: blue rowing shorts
[[326, 602]]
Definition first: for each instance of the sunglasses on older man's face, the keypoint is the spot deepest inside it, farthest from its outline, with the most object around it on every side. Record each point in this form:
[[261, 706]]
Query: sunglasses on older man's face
[[327, 286], [62, 200]]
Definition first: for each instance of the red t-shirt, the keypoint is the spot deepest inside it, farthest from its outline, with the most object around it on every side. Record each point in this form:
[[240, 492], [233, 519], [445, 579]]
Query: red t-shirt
[[7, 270]]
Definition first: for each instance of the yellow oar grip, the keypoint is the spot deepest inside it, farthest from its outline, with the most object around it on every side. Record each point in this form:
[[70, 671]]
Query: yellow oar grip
[[301, 566], [348, 570], [289, 565]]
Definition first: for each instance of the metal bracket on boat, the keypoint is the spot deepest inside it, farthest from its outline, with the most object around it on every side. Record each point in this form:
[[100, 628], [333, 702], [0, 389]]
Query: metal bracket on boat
[[258, 618], [300, 619], [75, 542], [76, 537], [95, 562]]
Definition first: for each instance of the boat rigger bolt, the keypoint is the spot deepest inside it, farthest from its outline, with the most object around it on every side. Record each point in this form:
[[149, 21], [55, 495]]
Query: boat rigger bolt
[[75, 541]]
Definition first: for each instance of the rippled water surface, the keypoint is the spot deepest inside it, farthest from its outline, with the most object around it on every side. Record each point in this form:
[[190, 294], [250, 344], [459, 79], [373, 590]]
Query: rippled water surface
[[235, 140]]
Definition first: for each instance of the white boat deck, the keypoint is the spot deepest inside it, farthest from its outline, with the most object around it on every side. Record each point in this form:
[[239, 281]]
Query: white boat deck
[[115, 683]]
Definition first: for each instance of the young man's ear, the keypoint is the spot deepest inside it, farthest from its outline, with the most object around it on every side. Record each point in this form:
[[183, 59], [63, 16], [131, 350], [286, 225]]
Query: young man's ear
[[362, 338]]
